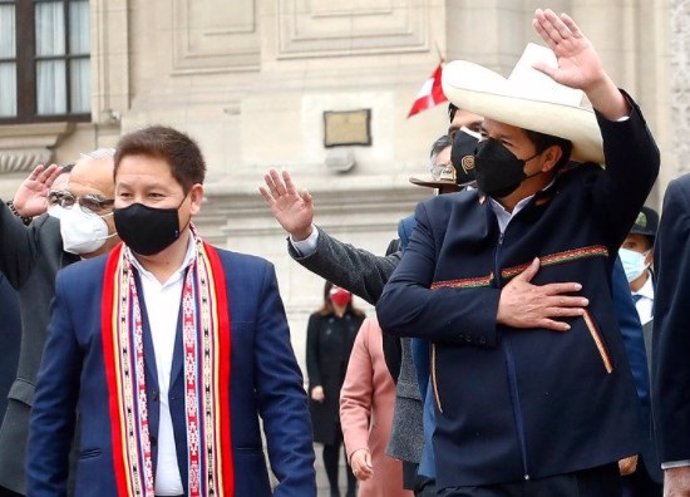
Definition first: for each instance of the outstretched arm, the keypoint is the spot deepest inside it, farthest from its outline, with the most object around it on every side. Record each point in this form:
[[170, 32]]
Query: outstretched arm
[[631, 155], [18, 246], [349, 267], [356, 270]]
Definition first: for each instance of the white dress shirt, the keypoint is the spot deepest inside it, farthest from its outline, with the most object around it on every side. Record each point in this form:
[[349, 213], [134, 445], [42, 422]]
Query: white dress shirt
[[306, 247], [503, 216], [645, 302], [162, 303]]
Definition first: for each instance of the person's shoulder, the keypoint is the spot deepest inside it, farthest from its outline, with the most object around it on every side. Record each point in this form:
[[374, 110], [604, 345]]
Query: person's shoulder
[[239, 258], [680, 185], [576, 170], [46, 226], [84, 272], [450, 201]]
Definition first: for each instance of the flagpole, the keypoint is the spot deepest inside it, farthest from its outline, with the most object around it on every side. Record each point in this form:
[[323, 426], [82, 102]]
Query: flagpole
[[440, 55]]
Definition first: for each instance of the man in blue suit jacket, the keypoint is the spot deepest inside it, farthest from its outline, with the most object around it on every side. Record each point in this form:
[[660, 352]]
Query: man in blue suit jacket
[[170, 350]]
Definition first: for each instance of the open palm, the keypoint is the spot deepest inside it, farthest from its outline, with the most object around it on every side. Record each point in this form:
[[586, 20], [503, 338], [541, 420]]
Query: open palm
[[579, 65], [292, 209], [31, 198]]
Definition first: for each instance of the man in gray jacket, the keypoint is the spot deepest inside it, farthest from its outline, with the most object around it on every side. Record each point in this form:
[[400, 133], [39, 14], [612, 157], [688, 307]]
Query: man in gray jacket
[[365, 275], [30, 257]]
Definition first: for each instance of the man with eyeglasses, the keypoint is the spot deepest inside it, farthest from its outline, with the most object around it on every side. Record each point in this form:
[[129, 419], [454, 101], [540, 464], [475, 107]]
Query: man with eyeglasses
[[30, 257]]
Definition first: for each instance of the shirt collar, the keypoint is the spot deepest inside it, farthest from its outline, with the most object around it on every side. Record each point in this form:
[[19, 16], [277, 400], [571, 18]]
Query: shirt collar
[[499, 209], [647, 289]]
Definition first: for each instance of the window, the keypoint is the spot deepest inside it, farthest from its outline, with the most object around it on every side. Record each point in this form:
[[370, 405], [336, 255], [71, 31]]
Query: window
[[45, 67]]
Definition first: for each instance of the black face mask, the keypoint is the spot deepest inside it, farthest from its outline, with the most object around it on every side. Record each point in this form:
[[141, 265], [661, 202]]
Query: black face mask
[[147, 230], [498, 172]]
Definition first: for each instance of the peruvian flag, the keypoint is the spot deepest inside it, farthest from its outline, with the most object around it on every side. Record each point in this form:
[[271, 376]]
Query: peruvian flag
[[431, 93]]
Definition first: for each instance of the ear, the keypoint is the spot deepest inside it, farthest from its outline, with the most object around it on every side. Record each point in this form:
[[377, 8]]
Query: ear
[[649, 258], [196, 195], [551, 157]]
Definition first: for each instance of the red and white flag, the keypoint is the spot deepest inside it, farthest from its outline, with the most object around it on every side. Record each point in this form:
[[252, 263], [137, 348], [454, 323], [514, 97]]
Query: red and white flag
[[431, 93]]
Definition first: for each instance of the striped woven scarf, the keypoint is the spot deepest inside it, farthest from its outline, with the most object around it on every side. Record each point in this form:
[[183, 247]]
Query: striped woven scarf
[[206, 330]]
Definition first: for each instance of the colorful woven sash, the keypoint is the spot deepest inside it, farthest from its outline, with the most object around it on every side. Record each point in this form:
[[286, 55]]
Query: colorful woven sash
[[206, 330]]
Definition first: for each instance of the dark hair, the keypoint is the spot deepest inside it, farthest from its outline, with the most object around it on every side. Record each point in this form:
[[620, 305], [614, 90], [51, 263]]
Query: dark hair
[[543, 141], [442, 143], [452, 109], [327, 307], [67, 168], [180, 152]]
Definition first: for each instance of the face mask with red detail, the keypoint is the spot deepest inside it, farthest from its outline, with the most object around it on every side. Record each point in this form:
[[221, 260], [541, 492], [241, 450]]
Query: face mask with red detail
[[340, 296]]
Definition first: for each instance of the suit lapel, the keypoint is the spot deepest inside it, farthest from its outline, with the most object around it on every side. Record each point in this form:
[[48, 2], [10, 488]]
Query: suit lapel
[[149, 351], [178, 359]]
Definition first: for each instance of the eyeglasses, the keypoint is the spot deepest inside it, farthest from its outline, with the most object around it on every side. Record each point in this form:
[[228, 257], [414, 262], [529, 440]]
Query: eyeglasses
[[54, 197], [445, 172], [87, 203]]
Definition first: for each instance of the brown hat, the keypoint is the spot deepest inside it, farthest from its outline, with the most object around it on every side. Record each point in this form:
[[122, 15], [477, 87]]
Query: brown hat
[[460, 171]]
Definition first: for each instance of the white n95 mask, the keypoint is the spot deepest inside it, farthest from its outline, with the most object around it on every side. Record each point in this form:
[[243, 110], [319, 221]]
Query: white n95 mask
[[82, 232], [55, 211]]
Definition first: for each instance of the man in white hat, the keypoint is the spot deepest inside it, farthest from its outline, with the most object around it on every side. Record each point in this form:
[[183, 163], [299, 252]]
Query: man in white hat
[[512, 282]]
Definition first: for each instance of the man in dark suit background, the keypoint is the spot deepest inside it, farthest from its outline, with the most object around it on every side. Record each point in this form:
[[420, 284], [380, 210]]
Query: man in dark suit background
[[671, 339], [10, 335]]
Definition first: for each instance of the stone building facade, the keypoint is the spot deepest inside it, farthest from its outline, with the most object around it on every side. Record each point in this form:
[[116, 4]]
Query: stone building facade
[[253, 80]]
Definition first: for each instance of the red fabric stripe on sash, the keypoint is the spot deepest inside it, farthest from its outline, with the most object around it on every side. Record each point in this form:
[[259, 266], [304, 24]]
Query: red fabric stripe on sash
[[225, 348], [107, 309]]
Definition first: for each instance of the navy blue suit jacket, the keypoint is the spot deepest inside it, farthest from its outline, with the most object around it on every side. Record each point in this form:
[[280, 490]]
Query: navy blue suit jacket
[[529, 403], [671, 339], [265, 382], [633, 339]]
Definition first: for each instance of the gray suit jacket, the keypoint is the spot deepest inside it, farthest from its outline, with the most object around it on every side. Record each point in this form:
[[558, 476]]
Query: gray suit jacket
[[365, 275], [30, 257], [357, 270]]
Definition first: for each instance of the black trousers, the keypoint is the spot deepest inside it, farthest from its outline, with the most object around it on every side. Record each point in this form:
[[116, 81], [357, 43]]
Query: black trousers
[[603, 481], [640, 484]]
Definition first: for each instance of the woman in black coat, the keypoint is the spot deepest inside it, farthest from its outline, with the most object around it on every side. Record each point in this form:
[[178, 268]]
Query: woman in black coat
[[330, 336]]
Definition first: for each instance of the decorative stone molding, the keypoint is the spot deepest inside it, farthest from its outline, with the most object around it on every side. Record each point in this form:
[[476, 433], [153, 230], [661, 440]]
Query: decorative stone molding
[[24, 146], [326, 28], [230, 213], [214, 36], [12, 161]]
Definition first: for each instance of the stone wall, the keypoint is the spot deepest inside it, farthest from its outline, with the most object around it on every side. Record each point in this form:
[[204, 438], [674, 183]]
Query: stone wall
[[251, 80]]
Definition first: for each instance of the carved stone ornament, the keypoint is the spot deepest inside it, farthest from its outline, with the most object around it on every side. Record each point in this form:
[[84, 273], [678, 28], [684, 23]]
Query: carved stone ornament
[[19, 160], [23, 147]]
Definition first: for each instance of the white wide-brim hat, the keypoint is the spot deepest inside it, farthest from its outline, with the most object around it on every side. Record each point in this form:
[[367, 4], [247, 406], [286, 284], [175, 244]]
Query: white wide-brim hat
[[527, 99]]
